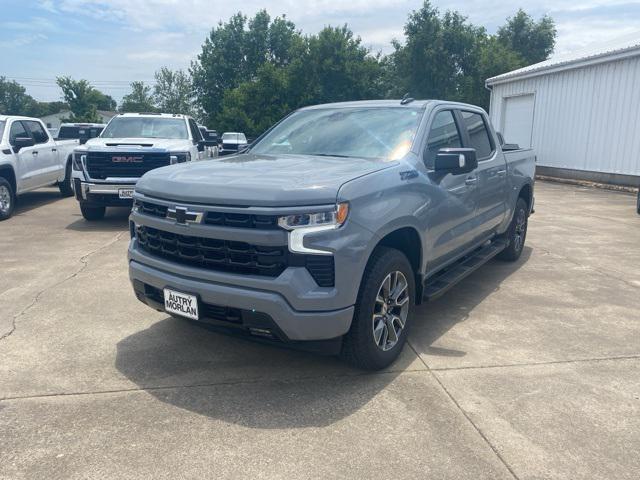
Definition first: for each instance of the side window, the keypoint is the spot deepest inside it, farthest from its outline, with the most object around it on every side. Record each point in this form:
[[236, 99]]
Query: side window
[[478, 134], [195, 131], [17, 130], [39, 134], [443, 134]]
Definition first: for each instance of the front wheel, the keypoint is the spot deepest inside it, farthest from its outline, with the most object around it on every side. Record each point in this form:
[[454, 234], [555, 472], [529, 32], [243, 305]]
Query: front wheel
[[382, 311], [517, 233], [92, 213], [65, 186], [7, 199]]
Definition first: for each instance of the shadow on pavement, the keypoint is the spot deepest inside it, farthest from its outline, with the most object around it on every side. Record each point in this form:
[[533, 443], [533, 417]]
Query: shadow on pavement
[[433, 320], [116, 219], [262, 386], [31, 200]]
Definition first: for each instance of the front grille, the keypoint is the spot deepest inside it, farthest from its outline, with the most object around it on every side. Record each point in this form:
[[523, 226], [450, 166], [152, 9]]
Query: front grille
[[153, 209], [100, 165], [234, 257], [224, 255]]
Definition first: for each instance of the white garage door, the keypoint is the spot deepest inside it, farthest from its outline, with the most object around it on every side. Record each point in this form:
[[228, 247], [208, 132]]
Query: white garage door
[[517, 120]]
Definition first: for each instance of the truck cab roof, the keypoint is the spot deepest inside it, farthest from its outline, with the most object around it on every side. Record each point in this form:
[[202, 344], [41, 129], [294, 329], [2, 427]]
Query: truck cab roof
[[154, 115]]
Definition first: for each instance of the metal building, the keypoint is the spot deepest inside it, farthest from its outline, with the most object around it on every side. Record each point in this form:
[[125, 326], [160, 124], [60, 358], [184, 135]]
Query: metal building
[[580, 112]]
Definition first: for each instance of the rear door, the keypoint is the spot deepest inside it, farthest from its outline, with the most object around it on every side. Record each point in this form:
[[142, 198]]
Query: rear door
[[452, 212], [490, 175], [48, 169]]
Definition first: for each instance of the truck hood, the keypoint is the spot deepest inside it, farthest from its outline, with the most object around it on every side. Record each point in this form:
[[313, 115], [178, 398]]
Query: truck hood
[[258, 180], [105, 144]]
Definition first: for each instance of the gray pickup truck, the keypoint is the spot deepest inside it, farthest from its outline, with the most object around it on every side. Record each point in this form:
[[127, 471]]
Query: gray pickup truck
[[333, 225]]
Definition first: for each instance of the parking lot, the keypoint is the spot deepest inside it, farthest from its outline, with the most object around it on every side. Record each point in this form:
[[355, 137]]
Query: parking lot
[[527, 370]]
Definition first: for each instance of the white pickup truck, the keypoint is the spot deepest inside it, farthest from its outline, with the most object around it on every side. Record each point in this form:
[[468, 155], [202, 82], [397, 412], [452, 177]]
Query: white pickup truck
[[30, 158], [106, 168]]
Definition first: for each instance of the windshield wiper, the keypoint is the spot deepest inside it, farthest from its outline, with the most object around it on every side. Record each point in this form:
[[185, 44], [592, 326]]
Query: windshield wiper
[[330, 155]]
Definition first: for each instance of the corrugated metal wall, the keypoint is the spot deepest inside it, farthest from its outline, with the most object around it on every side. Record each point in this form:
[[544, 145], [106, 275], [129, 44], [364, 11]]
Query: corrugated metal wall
[[584, 119]]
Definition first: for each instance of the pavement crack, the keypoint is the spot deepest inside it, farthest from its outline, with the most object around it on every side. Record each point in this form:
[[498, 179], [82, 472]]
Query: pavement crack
[[466, 415], [535, 364], [83, 264]]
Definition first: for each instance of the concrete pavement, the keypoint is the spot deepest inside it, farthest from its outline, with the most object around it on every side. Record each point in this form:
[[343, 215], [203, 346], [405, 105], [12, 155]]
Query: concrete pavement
[[525, 370]]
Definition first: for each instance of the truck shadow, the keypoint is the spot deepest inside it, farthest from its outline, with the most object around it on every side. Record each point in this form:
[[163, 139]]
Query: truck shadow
[[260, 386], [116, 219], [433, 320], [36, 199]]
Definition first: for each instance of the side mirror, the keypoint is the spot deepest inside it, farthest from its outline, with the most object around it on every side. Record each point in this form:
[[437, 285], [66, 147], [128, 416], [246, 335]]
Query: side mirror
[[456, 160], [21, 142], [201, 145]]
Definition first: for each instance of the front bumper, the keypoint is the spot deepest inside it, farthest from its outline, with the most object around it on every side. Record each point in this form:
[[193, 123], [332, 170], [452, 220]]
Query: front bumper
[[260, 312], [99, 194]]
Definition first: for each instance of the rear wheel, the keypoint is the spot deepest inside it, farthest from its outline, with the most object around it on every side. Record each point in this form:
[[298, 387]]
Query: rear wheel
[[517, 232], [382, 311], [7, 199], [66, 188], [92, 213], [638, 203]]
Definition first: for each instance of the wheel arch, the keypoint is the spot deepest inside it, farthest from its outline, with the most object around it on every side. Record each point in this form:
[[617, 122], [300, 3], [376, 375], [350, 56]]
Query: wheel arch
[[7, 172], [407, 240]]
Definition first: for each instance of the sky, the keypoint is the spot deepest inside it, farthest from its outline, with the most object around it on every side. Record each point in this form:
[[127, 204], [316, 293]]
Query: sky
[[113, 42]]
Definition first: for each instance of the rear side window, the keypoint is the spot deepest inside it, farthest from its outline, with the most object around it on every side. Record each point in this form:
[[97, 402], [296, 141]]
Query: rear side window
[[39, 134], [17, 130], [478, 134], [443, 134], [66, 133]]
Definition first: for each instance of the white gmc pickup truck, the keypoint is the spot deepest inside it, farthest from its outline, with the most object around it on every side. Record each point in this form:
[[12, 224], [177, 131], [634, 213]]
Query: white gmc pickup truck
[[106, 168], [30, 159]]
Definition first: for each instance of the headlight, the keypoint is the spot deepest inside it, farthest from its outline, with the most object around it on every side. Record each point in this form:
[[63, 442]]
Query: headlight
[[303, 224], [78, 160], [180, 158], [333, 218]]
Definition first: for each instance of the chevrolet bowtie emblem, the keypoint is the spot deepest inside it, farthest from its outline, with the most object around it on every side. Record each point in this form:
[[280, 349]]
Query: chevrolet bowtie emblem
[[182, 216]]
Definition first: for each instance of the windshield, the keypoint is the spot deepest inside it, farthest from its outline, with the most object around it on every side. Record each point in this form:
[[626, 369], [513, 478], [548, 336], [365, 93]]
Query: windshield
[[365, 132], [2, 122], [238, 137], [145, 127]]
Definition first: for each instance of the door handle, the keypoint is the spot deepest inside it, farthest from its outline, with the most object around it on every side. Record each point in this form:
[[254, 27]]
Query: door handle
[[502, 173], [35, 152], [53, 150], [471, 181]]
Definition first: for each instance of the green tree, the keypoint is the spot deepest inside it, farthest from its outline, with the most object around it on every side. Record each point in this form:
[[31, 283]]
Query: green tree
[[14, 99], [533, 41], [82, 99], [139, 100], [173, 92], [234, 52]]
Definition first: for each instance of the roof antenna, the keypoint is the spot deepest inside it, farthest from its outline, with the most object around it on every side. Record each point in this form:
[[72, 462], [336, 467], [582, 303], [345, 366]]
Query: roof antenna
[[406, 99]]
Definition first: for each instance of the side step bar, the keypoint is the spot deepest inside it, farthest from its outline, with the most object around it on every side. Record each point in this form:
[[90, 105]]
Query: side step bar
[[442, 281]]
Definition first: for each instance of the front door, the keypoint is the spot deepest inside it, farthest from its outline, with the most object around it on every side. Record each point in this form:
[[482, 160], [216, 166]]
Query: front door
[[451, 213], [48, 167], [27, 158]]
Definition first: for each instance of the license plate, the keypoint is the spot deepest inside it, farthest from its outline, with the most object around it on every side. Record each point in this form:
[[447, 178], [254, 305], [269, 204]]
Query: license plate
[[181, 304], [125, 192]]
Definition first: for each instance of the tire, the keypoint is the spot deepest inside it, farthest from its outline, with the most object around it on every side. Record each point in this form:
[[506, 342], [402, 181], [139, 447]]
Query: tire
[[92, 213], [638, 203], [66, 189], [368, 345], [7, 199], [517, 233]]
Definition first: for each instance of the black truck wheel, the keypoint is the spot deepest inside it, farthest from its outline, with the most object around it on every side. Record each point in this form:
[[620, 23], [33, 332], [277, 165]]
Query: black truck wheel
[[382, 311], [7, 199], [92, 213], [638, 202], [66, 188], [517, 232]]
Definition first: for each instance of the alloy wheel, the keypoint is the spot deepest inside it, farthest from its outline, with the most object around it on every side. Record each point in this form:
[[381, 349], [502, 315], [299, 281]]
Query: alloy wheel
[[5, 199], [391, 310]]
